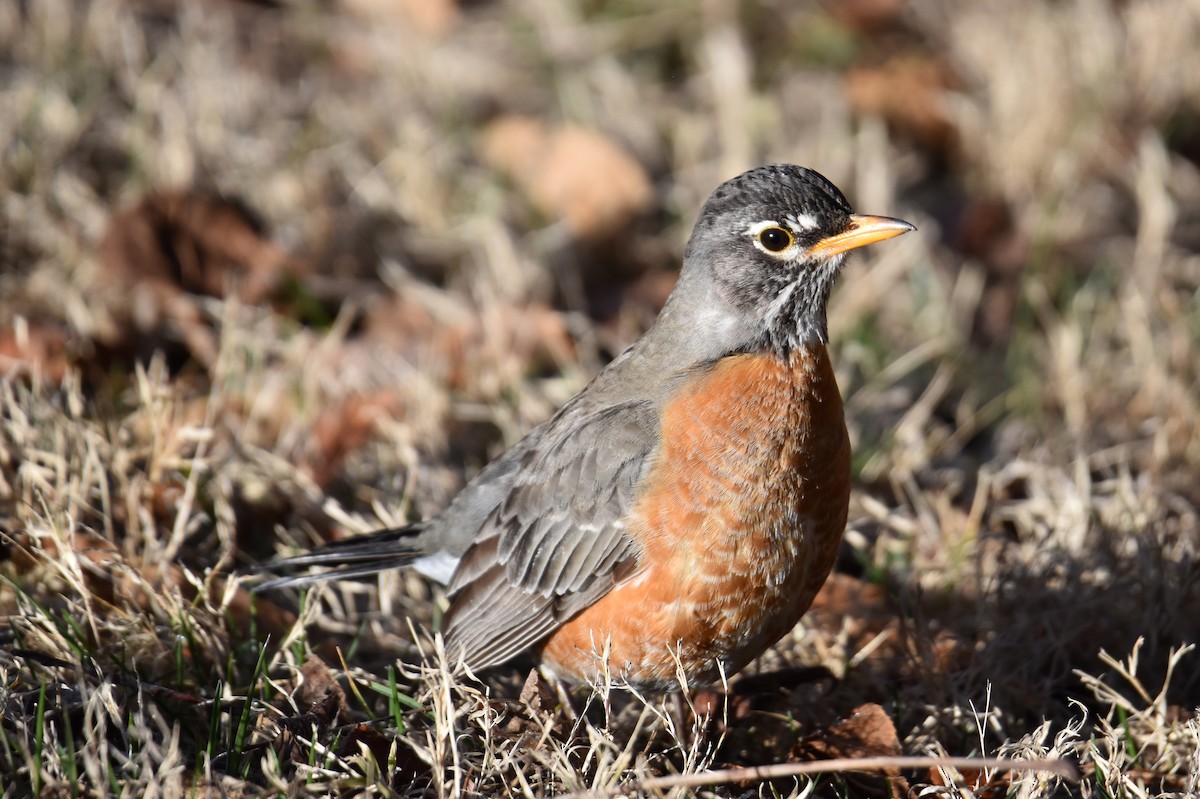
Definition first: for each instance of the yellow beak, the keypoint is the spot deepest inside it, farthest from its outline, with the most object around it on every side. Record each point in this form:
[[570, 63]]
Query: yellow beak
[[863, 230]]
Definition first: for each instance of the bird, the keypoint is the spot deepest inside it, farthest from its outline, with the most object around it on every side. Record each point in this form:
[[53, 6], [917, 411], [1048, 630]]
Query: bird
[[678, 515]]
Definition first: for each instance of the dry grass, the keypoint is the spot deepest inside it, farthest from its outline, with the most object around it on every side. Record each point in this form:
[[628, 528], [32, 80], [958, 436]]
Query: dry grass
[[1022, 380]]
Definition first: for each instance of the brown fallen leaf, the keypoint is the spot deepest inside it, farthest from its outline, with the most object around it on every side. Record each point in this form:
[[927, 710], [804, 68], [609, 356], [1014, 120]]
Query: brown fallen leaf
[[534, 336], [119, 583], [986, 232], [533, 712], [866, 16], [252, 612], [341, 429], [867, 732], [432, 17], [408, 766], [908, 92], [195, 241], [458, 344], [245, 611], [456, 348], [35, 349], [171, 245], [320, 693], [363, 736], [570, 173], [322, 702], [862, 612], [949, 652], [97, 558], [860, 608]]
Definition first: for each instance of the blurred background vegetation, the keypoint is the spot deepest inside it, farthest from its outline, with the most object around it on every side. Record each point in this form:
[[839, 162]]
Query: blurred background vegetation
[[275, 272]]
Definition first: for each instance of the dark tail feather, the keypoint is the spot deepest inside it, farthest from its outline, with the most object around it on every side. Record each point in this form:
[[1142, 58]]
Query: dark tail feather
[[347, 559]]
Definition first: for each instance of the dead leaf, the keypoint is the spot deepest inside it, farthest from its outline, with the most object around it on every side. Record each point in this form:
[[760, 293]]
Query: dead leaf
[[457, 343], [986, 232], [245, 611], [533, 713], [342, 429], [867, 16], [908, 92], [166, 248], [363, 736], [867, 732], [570, 173], [859, 607], [434, 18], [38, 350], [320, 693], [97, 558], [534, 336], [324, 703], [713, 704], [252, 612], [950, 652], [408, 766]]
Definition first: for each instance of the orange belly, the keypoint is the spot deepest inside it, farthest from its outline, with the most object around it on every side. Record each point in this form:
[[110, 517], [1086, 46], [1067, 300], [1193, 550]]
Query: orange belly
[[740, 523]]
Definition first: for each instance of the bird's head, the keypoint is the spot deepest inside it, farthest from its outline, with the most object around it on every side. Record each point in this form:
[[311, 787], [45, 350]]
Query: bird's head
[[766, 250]]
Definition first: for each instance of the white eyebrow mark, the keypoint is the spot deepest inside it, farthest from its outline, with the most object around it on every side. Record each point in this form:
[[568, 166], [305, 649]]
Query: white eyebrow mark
[[801, 223], [758, 227]]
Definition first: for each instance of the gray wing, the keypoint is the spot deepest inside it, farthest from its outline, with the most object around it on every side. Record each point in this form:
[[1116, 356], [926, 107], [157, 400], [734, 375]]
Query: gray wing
[[557, 542]]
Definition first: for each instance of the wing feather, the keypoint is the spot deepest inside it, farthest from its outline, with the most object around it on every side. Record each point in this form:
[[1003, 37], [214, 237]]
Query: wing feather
[[557, 542]]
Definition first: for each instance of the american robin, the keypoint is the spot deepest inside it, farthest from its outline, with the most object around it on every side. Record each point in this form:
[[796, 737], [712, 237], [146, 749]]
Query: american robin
[[686, 506]]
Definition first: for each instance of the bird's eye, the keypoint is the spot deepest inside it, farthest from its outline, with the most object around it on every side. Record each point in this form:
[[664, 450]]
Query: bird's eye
[[775, 239]]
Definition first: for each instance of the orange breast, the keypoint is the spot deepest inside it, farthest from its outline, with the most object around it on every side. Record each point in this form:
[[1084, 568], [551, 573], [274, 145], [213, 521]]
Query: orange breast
[[740, 523]]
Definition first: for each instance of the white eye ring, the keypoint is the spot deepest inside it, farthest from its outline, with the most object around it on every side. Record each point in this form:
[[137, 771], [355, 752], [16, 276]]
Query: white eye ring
[[756, 231]]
